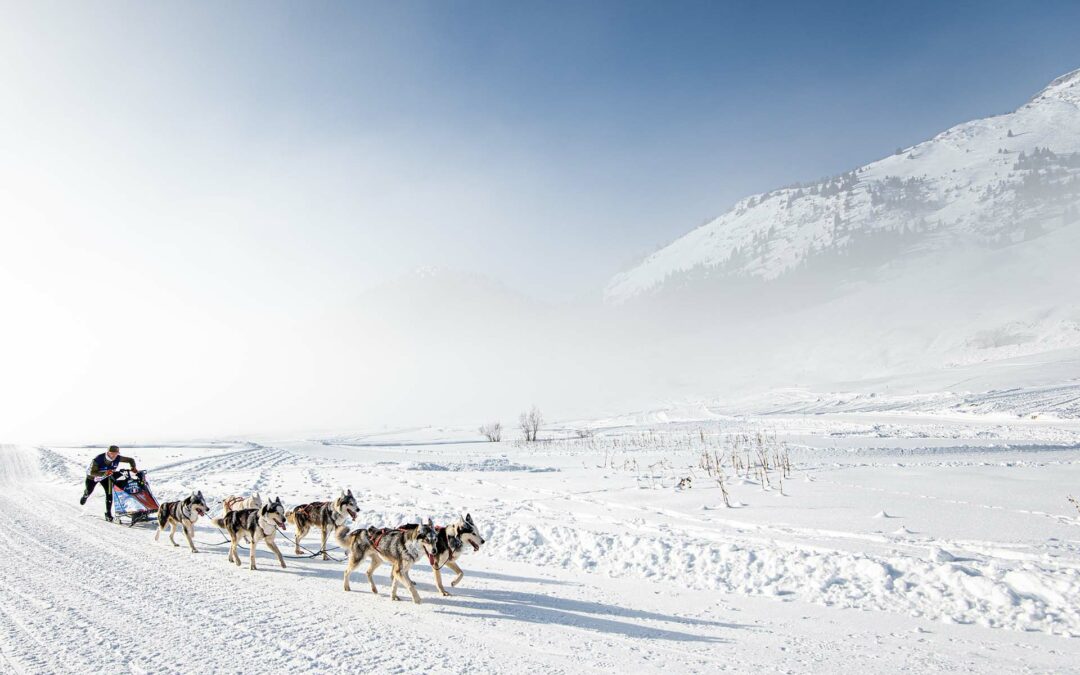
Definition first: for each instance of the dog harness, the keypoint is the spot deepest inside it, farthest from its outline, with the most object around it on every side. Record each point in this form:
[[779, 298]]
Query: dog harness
[[384, 531]]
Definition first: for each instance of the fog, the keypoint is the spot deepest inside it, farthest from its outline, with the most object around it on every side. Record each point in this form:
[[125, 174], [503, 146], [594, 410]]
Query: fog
[[243, 223]]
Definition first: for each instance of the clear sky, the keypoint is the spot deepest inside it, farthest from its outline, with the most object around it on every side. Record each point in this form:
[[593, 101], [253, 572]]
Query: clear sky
[[180, 183]]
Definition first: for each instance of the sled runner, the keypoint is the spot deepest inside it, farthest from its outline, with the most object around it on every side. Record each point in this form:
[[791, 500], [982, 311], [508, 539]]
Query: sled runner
[[132, 498]]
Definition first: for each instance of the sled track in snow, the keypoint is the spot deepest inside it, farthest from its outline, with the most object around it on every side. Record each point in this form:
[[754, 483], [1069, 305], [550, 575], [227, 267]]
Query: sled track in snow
[[76, 578], [247, 459]]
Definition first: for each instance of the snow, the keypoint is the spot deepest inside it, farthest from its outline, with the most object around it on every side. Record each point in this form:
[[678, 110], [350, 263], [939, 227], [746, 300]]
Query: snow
[[961, 173], [902, 539]]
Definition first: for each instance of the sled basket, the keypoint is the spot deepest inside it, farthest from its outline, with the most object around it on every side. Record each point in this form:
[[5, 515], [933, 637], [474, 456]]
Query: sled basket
[[132, 498]]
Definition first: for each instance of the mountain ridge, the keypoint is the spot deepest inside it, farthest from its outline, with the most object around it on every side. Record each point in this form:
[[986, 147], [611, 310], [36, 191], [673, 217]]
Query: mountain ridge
[[992, 181]]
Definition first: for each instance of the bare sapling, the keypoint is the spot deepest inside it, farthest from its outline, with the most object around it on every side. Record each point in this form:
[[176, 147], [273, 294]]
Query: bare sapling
[[720, 481], [530, 424], [492, 431], [763, 462], [747, 465]]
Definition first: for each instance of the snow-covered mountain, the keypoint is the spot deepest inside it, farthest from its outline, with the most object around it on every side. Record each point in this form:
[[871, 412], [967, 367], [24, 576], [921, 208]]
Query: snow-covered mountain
[[991, 182]]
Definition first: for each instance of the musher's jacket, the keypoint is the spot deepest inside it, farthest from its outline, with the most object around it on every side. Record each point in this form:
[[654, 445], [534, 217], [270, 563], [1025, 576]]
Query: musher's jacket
[[100, 464]]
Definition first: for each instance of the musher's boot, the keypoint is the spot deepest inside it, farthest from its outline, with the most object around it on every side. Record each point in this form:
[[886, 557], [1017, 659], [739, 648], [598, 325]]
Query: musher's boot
[[108, 517], [82, 500]]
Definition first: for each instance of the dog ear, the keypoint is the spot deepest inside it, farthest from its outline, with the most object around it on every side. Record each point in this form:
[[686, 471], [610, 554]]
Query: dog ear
[[468, 518]]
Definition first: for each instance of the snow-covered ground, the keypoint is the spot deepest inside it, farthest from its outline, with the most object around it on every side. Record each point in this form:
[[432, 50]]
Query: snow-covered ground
[[900, 541]]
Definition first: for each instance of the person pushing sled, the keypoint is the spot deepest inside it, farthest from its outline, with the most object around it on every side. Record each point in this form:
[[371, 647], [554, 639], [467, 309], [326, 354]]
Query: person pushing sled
[[134, 499]]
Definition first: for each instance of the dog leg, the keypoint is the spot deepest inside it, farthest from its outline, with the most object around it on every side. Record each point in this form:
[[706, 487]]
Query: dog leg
[[404, 575], [375, 562], [189, 529], [324, 533], [394, 579], [349, 567], [277, 551], [438, 582], [253, 554], [300, 532], [234, 556], [172, 533], [158, 533], [453, 565]]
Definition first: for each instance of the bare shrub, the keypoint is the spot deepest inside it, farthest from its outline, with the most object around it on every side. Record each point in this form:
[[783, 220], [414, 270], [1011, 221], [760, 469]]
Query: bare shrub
[[492, 431], [530, 423], [1074, 502]]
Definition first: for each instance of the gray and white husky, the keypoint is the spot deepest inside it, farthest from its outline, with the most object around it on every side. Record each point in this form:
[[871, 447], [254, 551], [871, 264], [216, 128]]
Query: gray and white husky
[[400, 547], [254, 525], [450, 542], [182, 513], [327, 516]]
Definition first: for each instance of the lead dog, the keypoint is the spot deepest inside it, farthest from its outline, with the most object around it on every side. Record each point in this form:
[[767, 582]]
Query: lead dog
[[400, 547], [450, 542], [327, 516], [183, 513], [255, 525]]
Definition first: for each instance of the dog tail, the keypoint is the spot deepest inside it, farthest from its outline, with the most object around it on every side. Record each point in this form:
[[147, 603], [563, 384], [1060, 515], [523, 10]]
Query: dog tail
[[219, 522], [290, 516], [344, 537], [161, 517]]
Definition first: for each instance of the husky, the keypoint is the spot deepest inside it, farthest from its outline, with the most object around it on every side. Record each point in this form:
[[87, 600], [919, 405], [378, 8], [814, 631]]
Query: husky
[[327, 516], [399, 547], [183, 513], [253, 525], [449, 544], [236, 503]]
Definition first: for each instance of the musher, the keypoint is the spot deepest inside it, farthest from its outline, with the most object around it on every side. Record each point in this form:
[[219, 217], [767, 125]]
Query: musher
[[101, 469]]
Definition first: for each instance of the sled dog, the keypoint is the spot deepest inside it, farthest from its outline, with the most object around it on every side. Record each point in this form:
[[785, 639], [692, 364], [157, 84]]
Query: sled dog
[[236, 503], [182, 513], [399, 547], [449, 544], [254, 525], [327, 516]]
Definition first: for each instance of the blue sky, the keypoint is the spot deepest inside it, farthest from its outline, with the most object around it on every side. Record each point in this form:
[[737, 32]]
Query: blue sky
[[211, 181], [586, 132], [630, 122]]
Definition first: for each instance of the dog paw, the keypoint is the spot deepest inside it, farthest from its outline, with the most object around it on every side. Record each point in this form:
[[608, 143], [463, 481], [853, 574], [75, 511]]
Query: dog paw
[[446, 594]]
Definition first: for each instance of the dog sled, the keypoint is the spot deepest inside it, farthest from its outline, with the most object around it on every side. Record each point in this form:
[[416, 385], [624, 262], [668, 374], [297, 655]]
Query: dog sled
[[132, 498]]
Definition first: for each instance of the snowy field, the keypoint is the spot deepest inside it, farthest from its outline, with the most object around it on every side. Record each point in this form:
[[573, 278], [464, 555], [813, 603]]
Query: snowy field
[[900, 541]]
